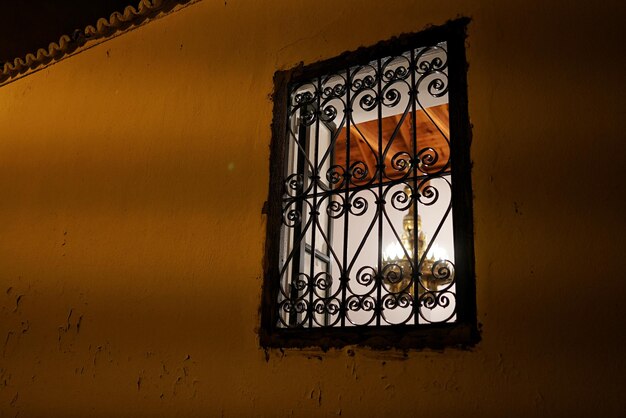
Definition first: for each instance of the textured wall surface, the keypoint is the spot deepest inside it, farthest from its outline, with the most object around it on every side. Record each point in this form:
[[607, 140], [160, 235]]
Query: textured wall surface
[[132, 177]]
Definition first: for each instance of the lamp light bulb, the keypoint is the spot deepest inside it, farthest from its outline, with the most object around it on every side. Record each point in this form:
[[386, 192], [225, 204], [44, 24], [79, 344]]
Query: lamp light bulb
[[393, 251], [437, 253]]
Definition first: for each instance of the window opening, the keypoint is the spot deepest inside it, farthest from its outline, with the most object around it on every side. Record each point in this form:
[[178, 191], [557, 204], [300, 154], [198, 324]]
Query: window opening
[[367, 230]]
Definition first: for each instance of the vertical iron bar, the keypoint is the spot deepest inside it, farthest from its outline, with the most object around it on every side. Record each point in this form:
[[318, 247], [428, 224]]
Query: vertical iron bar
[[343, 311], [314, 213], [416, 262], [329, 227], [380, 208]]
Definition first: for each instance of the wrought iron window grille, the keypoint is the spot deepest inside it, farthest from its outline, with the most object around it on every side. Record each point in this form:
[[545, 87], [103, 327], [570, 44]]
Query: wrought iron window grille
[[369, 233]]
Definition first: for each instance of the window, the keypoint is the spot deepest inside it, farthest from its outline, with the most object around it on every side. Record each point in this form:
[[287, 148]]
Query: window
[[369, 235]]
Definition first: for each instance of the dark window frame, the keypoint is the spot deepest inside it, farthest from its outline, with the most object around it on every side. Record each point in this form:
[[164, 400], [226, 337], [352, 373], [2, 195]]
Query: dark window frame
[[462, 333]]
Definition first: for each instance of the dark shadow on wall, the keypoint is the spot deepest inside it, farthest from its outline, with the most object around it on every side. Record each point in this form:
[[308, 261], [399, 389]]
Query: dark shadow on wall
[[27, 25]]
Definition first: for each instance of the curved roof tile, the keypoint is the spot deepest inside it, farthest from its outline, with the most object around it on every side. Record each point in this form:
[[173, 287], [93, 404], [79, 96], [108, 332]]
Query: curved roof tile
[[132, 16]]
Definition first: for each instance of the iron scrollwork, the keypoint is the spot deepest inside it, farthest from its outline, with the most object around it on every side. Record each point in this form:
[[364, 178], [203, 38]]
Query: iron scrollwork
[[347, 191]]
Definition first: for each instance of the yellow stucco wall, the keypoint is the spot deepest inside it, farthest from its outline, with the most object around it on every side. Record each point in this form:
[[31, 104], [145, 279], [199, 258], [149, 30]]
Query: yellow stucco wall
[[132, 177]]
